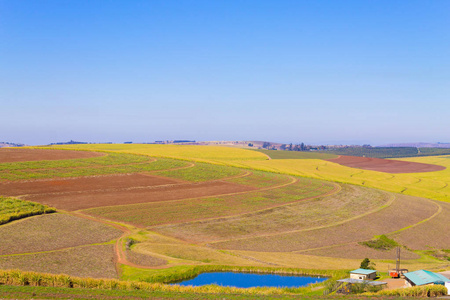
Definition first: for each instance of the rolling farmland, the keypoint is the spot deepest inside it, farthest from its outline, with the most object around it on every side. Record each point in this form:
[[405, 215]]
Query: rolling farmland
[[154, 212]]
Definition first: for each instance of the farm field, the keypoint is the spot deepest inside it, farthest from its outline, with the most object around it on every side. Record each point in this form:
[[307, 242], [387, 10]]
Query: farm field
[[432, 185], [96, 261], [351, 201], [143, 213], [54, 231], [20, 155], [385, 165], [279, 154]]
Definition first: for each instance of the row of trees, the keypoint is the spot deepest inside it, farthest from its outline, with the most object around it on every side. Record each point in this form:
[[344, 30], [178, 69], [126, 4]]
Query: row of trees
[[293, 147]]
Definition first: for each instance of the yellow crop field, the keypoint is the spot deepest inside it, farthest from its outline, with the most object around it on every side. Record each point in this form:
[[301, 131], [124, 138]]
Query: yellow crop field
[[212, 154], [432, 185]]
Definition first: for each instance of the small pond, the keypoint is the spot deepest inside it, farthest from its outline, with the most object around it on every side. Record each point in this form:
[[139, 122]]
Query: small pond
[[246, 280]]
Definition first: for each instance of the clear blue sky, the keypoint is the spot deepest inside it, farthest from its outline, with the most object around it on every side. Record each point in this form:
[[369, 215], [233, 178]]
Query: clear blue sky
[[287, 71]]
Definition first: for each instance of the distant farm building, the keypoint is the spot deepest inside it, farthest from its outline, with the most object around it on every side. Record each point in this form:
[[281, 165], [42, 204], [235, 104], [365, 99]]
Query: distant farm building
[[363, 274], [423, 277]]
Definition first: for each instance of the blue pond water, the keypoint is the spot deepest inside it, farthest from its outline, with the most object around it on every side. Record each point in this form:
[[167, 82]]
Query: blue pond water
[[246, 280]]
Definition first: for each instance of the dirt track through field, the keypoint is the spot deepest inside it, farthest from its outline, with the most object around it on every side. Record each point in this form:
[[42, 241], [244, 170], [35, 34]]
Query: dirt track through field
[[17, 155], [385, 165]]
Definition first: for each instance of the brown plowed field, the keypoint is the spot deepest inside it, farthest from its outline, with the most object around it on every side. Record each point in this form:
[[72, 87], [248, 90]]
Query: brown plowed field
[[82, 184], [15, 155], [385, 165], [131, 195]]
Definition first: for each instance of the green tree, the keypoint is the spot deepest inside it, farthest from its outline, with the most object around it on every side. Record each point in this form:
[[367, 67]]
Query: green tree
[[367, 264]]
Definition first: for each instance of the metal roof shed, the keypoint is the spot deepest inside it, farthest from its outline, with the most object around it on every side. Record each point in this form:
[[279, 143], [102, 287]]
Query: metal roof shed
[[363, 274], [424, 277]]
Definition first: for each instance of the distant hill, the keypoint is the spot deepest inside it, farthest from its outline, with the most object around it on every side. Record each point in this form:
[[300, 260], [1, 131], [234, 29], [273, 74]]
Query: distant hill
[[8, 144], [419, 145]]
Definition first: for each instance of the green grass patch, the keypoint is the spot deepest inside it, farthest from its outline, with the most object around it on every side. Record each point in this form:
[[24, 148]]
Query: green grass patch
[[109, 159], [13, 209], [113, 163], [202, 172], [260, 179], [282, 154], [381, 242]]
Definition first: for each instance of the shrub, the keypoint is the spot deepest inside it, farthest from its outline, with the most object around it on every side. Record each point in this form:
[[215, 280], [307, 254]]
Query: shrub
[[382, 242]]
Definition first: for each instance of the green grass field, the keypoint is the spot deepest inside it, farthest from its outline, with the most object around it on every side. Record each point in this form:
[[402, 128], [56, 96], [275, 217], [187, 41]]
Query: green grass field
[[14, 209], [202, 172]]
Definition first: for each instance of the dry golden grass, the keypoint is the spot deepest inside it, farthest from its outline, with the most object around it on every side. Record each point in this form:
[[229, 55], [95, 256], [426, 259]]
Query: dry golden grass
[[192, 254], [88, 261], [50, 232], [144, 259], [289, 259]]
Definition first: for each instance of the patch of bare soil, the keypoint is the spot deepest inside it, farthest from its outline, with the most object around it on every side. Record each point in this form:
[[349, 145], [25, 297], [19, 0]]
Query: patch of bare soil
[[385, 165], [83, 200], [20, 154], [52, 188]]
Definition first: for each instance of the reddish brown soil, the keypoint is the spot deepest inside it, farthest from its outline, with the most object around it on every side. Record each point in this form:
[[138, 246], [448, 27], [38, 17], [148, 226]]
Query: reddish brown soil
[[122, 196], [52, 188], [385, 165], [19, 154]]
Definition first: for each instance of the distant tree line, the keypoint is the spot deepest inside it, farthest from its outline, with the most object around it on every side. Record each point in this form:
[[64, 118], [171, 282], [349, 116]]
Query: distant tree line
[[294, 147]]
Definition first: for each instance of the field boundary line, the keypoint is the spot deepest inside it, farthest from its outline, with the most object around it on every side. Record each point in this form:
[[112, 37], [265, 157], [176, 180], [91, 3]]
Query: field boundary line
[[387, 204], [293, 180], [337, 189]]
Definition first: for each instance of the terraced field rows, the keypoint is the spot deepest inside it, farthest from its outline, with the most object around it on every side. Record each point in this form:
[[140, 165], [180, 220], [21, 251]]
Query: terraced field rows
[[235, 216]]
